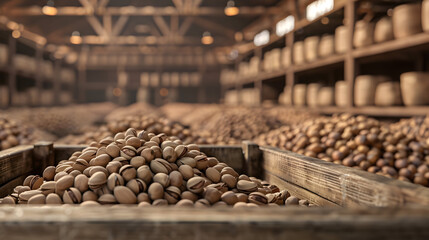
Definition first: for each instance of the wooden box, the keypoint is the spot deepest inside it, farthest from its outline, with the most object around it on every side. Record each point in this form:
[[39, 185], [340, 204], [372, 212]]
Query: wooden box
[[322, 183]]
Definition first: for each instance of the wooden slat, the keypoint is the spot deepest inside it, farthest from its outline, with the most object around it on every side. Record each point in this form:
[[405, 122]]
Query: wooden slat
[[63, 152], [231, 155], [15, 162], [319, 63], [298, 191], [345, 186], [8, 187], [213, 223]]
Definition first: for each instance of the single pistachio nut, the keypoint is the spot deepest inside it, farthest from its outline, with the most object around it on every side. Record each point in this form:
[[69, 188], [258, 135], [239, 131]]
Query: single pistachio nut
[[186, 171], [187, 161], [160, 202], [229, 170], [172, 194], [169, 154], [201, 162], [213, 175], [212, 195], [144, 204], [245, 186], [137, 186], [81, 182], [124, 195], [25, 196], [176, 179], [89, 204], [89, 196], [148, 154], [128, 172], [242, 197], [37, 199], [137, 161], [134, 142], [47, 187], [162, 178], [185, 203], [63, 184], [195, 184], [53, 198], [97, 180], [230, 180], [114, 180], [72, 196], [189, 195], [113, 167], [160, 165], [202, 203], [101, 160], [49, 173], [292, 200], [95, 169], [145, 174], [8, 200], [156, 191], [229, 198], [113, 150], [143, 197], [107, 198], [258, 198], [181, 151]]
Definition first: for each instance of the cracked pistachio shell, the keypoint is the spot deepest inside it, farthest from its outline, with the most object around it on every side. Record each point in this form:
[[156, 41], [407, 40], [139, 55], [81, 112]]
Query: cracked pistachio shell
[[89, 196], [81, 182], [187, 161], [160, 202], [172, 194], [63, 184], [213, 175], [176, 179], [145, 174], [114, 180], [156, 191], [230, 171], [100, 151], [124, 195], [72, 196], [168, 143], [128, 172], [144, 135], [202, 203], [101, 160], [48, 187], [181, 151], [229, 198], [37, 199], [258, 198], [195, 184], [137, 186], [88, 154], [134, 142], [97, 180], [157, 151], [49, 173], [95, 169], [53, 198], [201, 162], [162, 179], [59, 175], [212, 161], [186, 171], [159, 165]]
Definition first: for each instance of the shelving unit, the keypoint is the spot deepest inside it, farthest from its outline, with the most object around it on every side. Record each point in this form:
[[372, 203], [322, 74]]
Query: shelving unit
[[348, 63]]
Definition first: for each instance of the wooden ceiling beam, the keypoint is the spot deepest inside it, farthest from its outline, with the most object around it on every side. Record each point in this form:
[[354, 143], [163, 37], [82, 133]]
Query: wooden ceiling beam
[[162, 25], [214, 27], [145, 11], [185, 26], [119, 25]]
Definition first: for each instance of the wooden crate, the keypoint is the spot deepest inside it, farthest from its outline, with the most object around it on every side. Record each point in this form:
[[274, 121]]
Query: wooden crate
[[323, 183]]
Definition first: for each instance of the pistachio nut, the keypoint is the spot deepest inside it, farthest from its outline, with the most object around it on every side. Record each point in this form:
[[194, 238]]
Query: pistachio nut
[[74, 173], [143, 197], [189, 195], [186, 171], [107, 198], [113, 167], [134, 142], [181, 151], [201, 162], [89, 204], [106, 141], [229, 198], [168, 143], [212, 195], [172, 194], [8, 200], [143, 135], [229, 170], [157, 151], [88, 154], [195, 184], [37, 199], [185, 203], [245, 186], [25, 196], [33, 181], [89, 196], [292, 200], [176, 179], [145, 174], [169, 154], [49, 173], [221, 186], [114, 180], [63, 184], [131, 132], [124, 195], [156, 191], [137, 161], [229, 180], [303, 202], [242, 197], [159, 165], [113, 150], [123, 161], [258, 198], [53, 198], [81, 182], [212, 161], [95, 169], [187, 161], [137, 185], [202, 203], [97, 180], [213, 175], [128, 172], [101, 160], [162, 178], [20, 189], [160, 202], [144, 204], [48, 187], [148, 154], [128, 152], [72, 196], [220, 204]]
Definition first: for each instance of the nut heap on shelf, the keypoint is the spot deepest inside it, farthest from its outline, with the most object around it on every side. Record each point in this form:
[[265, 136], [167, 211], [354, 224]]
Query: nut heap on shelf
[[390, 150], [146, 169]]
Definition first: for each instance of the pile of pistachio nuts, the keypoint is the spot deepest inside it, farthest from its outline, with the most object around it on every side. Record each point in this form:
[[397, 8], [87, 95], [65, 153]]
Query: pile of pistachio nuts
[[391, 150], [147, 169]]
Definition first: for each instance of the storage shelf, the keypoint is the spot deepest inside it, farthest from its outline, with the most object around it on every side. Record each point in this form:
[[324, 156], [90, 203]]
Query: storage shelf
[[376, 111], [392, 46], [323, 62]]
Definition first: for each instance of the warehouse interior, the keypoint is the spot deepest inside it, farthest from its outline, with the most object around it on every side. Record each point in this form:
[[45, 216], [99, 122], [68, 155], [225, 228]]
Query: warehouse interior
[[317, 108]]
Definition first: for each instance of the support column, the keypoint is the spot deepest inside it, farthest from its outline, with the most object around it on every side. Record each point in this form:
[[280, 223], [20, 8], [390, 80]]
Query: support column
[[350, 66], [12, 70]]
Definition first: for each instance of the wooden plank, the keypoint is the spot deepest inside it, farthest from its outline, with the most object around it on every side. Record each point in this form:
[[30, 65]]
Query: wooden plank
[[188, 223], [63, 152], [252, 159], [298, 191], [345, 186], [231, 155], [8, 187], [43, 156], [393, 45], [15, 162]]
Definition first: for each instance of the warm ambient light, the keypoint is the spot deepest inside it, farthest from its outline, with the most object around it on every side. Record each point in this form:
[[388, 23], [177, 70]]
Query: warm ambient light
[[117, 92], [75, 38], [163, 92], [207, 38], [49, 9], [231, 9], [16, 34]]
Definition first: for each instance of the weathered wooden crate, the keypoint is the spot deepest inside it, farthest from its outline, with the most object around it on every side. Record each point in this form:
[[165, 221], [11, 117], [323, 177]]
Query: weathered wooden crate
[[349, 197]]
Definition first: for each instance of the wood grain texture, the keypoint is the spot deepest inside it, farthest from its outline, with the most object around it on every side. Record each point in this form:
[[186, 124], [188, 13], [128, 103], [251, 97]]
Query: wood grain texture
[[15, 162], [7, 188], [252, 159], [231, 155], [43, 156], [345, 186], [130, 222]]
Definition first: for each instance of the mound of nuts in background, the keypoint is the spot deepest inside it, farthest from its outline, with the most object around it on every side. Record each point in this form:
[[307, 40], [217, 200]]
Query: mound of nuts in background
[[13, 134], [151, 124], [147, 169], [358, 142]]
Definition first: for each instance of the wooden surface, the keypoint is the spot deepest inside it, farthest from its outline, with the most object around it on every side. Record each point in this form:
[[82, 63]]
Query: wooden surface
[[120, 222], [15, 162], [342, 185]]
